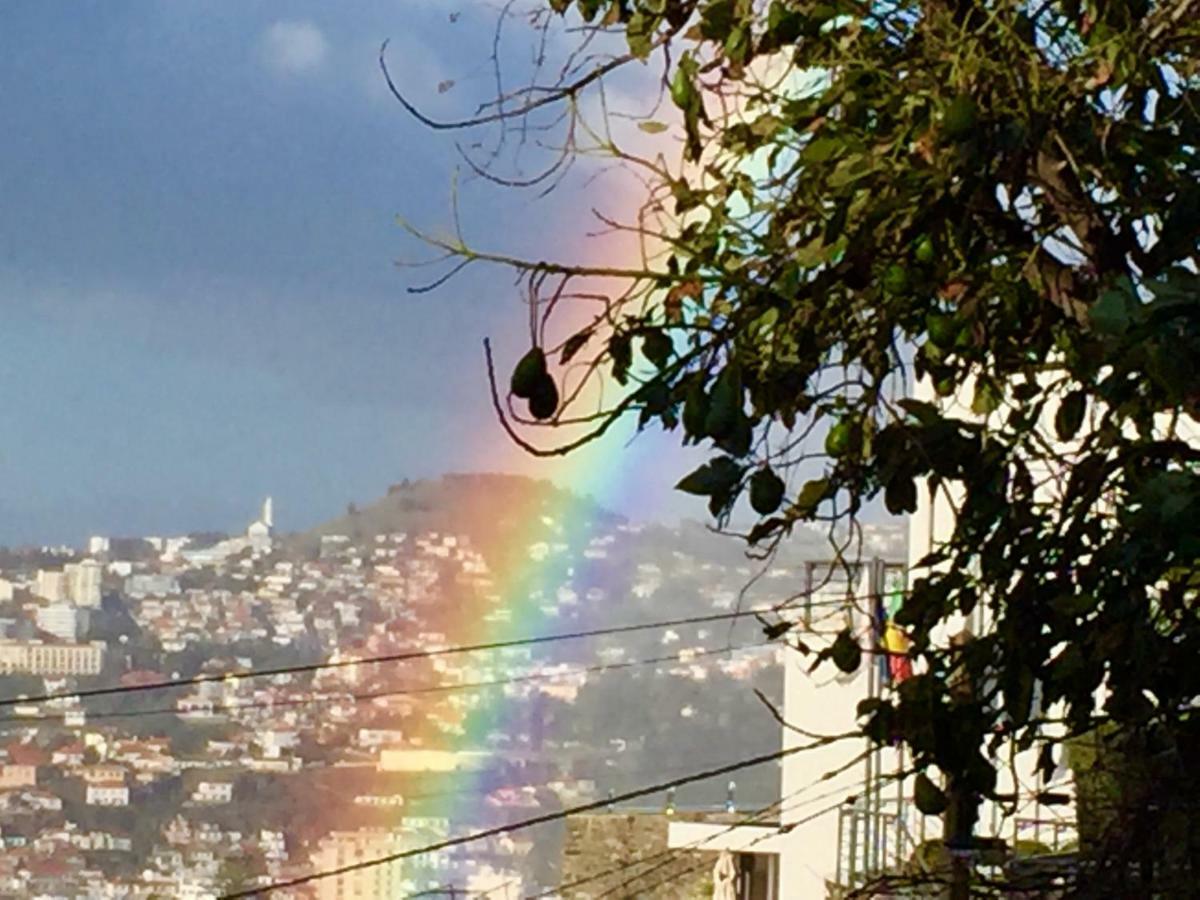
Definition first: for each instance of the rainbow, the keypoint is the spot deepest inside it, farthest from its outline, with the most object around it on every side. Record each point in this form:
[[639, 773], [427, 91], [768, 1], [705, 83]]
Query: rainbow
[[613, 474]]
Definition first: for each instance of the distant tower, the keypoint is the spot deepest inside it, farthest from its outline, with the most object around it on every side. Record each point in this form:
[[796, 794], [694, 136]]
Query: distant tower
[[259, 532]]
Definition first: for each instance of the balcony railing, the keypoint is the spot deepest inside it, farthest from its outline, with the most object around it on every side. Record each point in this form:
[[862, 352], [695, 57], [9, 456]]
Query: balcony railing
[[880, 836]]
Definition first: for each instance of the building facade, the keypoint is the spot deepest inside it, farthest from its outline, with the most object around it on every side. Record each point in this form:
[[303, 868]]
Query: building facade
[[344, 848], [38, 658], [62, 620], [83, 583]]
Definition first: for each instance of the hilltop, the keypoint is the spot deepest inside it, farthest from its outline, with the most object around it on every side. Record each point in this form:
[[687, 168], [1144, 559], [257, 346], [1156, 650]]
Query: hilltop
[[489, 508]]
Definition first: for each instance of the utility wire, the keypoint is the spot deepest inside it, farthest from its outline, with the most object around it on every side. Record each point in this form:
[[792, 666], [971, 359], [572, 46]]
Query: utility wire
[[773, 832], [657, 771], [530, 822], [386, 658], [669, 852], [398, 657], [375, 695], [674, 876], [674, 851], [752, 819]]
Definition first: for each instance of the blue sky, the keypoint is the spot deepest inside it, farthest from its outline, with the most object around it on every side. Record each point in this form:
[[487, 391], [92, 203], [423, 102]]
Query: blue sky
[[197, 252]]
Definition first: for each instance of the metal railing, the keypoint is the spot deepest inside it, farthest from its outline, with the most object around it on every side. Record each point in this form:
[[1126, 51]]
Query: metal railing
[[875, 839]]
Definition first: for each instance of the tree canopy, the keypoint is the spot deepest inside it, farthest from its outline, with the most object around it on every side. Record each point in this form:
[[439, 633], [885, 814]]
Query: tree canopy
[[996, 199]]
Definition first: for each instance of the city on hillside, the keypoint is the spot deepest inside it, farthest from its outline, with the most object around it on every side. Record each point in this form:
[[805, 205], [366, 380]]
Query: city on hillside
[[221, 782]]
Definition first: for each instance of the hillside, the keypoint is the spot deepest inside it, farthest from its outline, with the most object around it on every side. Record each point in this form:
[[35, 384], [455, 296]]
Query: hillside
[[488, 508]]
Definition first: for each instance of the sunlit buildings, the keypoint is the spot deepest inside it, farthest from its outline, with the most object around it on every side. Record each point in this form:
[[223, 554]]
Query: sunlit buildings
[[38, 658], [65, 622]]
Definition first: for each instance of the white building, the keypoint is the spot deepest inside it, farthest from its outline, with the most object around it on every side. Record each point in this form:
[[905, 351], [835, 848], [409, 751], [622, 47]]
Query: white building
[[499, 885], [38, 658], [63, 621], [841, 821], [50, 584], [343, 848], [794, 854], [258, 539], [83, 582], [151, 584], [259, 533], [213, 792], [107, 794]]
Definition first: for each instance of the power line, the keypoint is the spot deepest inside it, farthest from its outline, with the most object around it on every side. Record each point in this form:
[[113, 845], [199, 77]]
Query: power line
[[375, 695], [530, 822], [657, 771], [781, 829], [386, 658], [751, 819], [671, 851], [782, 804], [403, 656]]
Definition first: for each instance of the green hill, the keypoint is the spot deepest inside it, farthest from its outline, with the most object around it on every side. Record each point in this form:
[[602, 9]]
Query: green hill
[[490, 509]]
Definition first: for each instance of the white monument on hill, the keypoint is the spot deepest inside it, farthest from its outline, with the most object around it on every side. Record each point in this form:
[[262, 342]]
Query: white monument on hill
[[258, 539], [259, 533]]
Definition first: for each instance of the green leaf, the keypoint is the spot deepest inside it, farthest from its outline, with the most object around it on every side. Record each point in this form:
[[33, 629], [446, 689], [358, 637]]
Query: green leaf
[[1111, 313], [1054, 798], [657, 347], [960, 118], [821, 149], [574, 344], [1069, 418], [766, 491], [810, 496], [1018, 695], [712, 478], [846, 653], [737, 44], [725, 407], [639, 33], [1046, 763], [683, 91], [900, 495], [765, 529], [851, 169], [652, 127], [737, 442], [655, 397], [930, 799], [777, 629], [1072, 606], [868, 705], [925, 413], [942, 329], [766, 125], [620, 351], [717, 19], [881, 719], [987, 397], [695, 410], [812, 253]]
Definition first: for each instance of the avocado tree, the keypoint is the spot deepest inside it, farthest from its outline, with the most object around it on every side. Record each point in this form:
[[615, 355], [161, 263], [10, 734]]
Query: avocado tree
[[997, 200]]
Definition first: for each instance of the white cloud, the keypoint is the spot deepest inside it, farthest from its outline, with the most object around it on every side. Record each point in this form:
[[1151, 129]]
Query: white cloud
[[292, 48]]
